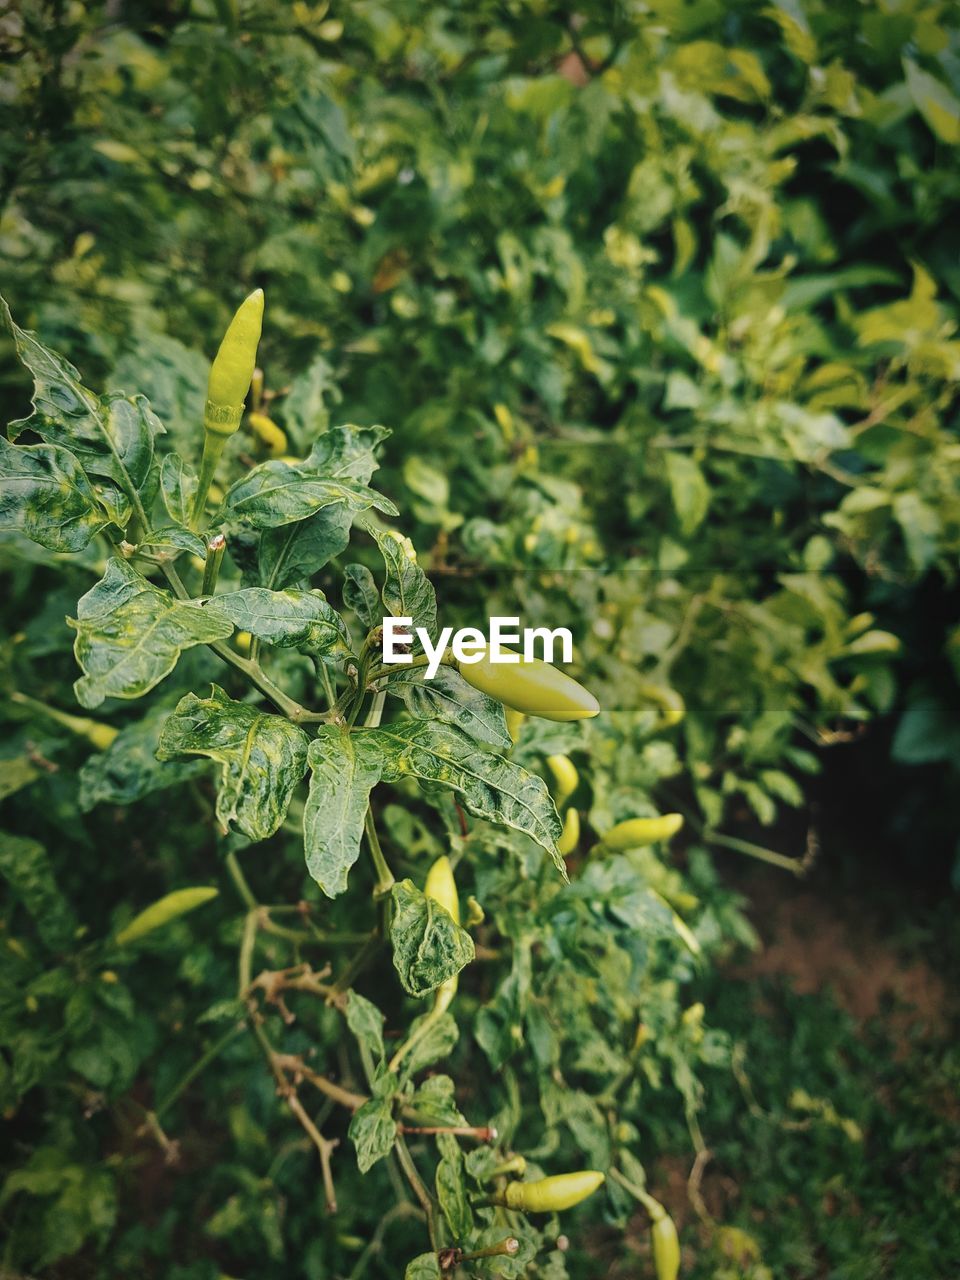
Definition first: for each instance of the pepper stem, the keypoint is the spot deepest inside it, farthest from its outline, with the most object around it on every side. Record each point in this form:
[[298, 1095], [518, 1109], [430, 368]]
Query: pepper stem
[[213, 442], [211, 570]]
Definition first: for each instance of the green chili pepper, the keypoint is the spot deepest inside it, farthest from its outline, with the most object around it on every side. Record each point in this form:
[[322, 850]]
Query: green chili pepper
[[230, 376], [550, 1195], [233, 366], [535, 688], [570, 836], [162, 912], [634, 833], [565, 778]]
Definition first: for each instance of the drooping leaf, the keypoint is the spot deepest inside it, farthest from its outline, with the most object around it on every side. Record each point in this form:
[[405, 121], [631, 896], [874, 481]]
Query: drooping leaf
[[428, 946], [435, 1043], [424, 1267], [434, 1103], [17, 772], [174, 537], [130, 634], [489, 786], [935, 102], [688, 490], [373, 1129], [45, 495], [451, 1187], [276, 493], [366, 1022], [264, 757], [293, 553], [344, 768]]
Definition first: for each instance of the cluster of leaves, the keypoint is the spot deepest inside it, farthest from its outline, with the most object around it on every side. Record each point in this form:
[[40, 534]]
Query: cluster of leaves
[[662, 307]]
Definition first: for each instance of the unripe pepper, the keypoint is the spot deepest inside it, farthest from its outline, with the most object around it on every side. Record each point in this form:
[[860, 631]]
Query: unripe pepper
[[565, 778], [267, 431], [97, 734], [535, 688], [233, 366], [551, 1195], [442, 889], [666, 1247], [514, 721], [163, 911], [570, 836], [671, 704], [637, 832], [227, 388]]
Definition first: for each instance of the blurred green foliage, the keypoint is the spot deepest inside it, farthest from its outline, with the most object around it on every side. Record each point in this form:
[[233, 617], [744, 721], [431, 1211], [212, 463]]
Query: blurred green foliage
[[661, 303]]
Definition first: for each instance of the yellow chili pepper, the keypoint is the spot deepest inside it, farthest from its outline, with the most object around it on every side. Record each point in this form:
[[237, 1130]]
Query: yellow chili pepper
[[163, 911], [535, 688], [570, 836], [634, 833], [551, 1195], [565, 778]]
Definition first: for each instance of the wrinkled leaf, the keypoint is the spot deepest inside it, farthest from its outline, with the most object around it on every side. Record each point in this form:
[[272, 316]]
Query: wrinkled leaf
[[263, 756], [344, 768], [45, 495], [288, 619], [428, 947], [129, 768], [489, 786], [130, 634], [448, 697]]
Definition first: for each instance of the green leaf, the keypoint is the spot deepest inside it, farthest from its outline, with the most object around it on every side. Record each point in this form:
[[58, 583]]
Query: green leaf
[[264, 757], [112, 436], [287, 619], [407, 591], [344, 769], [927, 732], [689, 491], [366, 1022], [428, 947], [276, 493], [433, 1103], [938, 106], [129, 768], [178, 487], [361, 595], [130, 634], [292, 554], [423, 1267], [436, 1043], [373, 1131], [17, 772], [26, 868], [45, 495], [490, 787], [175, 537], [449, 698], [305, 413], [451, 1187]]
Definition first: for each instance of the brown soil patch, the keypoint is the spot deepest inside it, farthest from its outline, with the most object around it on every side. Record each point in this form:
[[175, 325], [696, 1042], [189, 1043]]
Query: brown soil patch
[[820, 944]]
